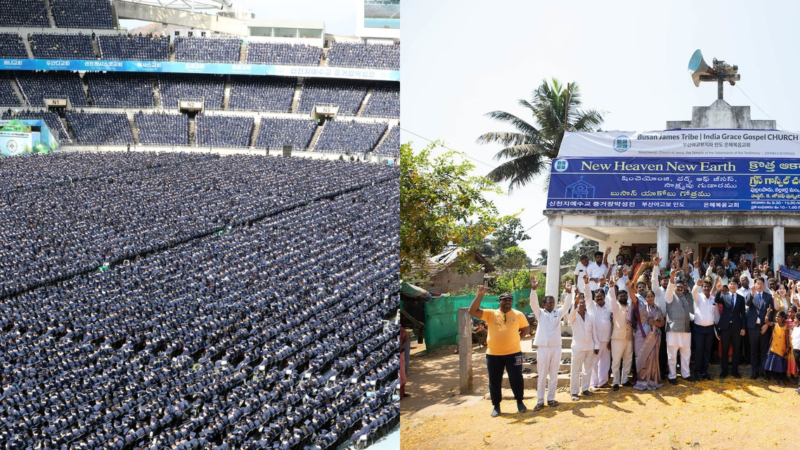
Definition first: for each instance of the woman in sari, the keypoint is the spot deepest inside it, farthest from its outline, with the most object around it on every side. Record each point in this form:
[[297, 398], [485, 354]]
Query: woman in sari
[[647, 320]]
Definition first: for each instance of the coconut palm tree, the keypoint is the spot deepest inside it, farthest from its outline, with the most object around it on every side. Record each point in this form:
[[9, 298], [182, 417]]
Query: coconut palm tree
[[529, 149], [542, 259]]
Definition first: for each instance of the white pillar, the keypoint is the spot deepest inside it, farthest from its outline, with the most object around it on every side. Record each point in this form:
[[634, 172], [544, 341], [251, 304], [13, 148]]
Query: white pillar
[[778, 249], [662, 244], [553, 261]]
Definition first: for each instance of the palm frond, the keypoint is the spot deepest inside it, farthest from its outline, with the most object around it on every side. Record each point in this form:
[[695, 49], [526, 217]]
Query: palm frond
[[521, 125], [519, 151], [519, 171], [504, 138]]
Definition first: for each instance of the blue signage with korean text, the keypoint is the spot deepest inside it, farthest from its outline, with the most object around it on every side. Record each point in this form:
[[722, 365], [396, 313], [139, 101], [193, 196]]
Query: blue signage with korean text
[[194, 67]]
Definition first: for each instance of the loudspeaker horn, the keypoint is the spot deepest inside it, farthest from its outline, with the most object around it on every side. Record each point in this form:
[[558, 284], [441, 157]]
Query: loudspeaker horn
[[698, 66]]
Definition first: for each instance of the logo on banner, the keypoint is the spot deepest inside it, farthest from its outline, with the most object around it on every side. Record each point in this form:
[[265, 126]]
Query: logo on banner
[[561, 165], [622, 144]]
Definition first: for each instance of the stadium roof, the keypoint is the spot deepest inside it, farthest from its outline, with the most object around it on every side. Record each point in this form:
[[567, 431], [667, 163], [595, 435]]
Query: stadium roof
[[189, 5]]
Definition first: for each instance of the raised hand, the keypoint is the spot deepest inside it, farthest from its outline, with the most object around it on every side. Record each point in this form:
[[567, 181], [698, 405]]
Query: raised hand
[[603, 281], [728, 247], [568, 287], [656, 259], [535, 281], [585, 279], [687, 252], [482, 289]]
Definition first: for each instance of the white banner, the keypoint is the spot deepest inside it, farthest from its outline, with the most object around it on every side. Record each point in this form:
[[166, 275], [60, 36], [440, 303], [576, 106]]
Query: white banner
[[708, 143]]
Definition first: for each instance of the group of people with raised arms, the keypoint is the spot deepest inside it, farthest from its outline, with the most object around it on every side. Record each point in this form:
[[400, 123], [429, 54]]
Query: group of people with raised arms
[[638, 316]]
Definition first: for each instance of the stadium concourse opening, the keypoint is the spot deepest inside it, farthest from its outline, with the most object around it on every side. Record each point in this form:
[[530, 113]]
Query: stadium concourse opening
[[193, 292]]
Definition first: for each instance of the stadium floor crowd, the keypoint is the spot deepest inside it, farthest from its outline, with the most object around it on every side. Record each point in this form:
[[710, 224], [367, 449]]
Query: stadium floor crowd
[[197, 302]]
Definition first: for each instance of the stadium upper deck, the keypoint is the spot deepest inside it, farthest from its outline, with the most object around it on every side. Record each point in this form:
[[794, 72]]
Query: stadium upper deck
[[75, 46]]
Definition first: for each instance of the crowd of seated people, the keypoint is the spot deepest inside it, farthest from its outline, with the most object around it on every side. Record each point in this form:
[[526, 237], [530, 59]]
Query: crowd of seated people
[[64, 168], [283, 54], [272, 94], [365, 56], [82, 14], [100, 128], [223, 341], [345, 136], [208, 88], [7, 95], [346, 94], [391, 145], [68, 249], [61, 46], [274, 133], [12, 46], [120, 90], [30, 13], [35, 87], [201, 49], [162, 129], [223, 131], [384, 102], [52, 120], [140, 47]]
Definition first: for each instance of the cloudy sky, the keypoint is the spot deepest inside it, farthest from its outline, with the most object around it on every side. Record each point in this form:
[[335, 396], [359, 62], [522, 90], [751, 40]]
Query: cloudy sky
[[462, 59]]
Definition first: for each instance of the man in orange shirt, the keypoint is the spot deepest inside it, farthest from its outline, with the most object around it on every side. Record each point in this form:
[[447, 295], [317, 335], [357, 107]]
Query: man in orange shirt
[[505, 328]]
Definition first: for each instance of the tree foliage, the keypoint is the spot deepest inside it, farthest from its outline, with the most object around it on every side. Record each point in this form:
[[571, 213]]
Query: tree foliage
[[529, 148], [573, 255], [542, 259], [441, 202]]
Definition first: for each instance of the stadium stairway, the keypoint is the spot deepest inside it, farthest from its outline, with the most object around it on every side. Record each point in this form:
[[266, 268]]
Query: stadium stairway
[[49, 14], [243, 53], [96, 48], [324, 61], [134, 130], [85, 86], [364, 103], [156, 94], [21, 98], [28, 48], [315, 138], [192, 129], [296, 99], [226, 96], [383, 138], [256, 127], [172, 50]]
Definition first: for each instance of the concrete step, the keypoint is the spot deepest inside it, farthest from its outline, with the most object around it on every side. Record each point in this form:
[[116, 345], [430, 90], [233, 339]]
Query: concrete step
[[565, 353], [242, 54], [532, 382], [534, 367]]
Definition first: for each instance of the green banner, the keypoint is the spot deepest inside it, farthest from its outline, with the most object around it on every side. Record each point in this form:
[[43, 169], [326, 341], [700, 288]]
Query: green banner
[[441, 316]]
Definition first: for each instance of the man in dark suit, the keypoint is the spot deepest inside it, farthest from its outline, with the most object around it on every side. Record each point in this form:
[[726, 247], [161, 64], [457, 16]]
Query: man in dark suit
[[757, 328], [731, 324]]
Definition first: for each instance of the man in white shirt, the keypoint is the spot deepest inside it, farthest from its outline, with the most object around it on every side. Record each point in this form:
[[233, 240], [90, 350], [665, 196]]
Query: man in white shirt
[[600, 310], [598, 269], [585, 345], [580, 271], [548, 342], [679, 314], [621, 337], [705, 315]]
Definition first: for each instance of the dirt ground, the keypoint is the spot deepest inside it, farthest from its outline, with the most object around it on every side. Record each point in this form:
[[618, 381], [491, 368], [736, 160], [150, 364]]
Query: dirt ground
[[718, 414]]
